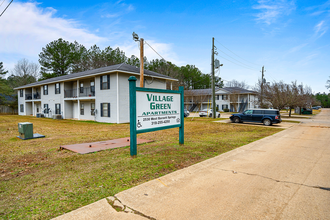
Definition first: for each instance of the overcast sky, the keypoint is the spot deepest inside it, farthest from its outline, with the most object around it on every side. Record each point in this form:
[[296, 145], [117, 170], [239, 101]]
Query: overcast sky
[[289, 38]]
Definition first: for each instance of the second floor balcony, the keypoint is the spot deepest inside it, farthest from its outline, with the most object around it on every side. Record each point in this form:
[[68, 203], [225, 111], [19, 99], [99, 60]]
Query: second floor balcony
[[32, 96], [81, 92]]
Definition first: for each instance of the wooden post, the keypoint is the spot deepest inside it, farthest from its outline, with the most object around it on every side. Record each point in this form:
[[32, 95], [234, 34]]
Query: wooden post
[[141, 63]]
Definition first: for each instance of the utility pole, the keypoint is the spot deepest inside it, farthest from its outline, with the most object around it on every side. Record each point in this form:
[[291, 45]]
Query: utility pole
[[262, 86], [136, 38], [141, 63], [213, 82]]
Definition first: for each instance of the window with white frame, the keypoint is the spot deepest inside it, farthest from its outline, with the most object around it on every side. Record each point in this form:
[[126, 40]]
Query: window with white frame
[[21, 93], [93, 87], [46, 109], [92, 108], [81, 87], [21, 107], [105, 109], [81, 108], [57, 88], [45, 89], [224, 107], [105, 82], [58, 109], [224, 97]]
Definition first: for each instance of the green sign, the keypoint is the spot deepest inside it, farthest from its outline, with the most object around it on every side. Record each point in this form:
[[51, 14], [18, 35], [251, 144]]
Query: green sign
[[153, 110]]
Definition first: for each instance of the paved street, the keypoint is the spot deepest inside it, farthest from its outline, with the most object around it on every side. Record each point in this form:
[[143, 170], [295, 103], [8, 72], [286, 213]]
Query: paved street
[[284, 176]]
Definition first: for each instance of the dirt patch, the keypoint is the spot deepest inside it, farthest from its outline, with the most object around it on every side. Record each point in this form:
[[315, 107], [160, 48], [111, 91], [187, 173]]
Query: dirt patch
[[22, 165]]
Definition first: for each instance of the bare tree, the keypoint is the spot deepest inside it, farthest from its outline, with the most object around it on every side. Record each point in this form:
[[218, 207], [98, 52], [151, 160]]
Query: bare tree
[[280, 95], [260, 101], [293, 96], [235, 83], [24, 72], [23, 68], [276, 94], [234, 100]]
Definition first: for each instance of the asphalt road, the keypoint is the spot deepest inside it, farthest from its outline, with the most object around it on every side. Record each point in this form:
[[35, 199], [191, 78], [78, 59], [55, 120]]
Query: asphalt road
[[284, 176]]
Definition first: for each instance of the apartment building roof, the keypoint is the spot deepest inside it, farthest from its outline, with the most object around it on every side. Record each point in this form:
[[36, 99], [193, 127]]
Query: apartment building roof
[[198, 92], [123, 68]]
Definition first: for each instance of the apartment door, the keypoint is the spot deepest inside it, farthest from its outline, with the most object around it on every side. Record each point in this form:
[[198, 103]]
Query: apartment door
[[75, 110]]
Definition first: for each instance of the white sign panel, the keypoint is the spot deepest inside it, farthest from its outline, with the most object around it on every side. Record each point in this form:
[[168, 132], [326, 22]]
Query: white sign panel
[[155, 109]]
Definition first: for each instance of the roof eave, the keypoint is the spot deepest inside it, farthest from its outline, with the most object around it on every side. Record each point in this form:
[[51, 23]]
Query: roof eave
[[86, 76]]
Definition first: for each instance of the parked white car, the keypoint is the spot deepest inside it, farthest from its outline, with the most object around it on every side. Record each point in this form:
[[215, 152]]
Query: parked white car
[[208, 112]]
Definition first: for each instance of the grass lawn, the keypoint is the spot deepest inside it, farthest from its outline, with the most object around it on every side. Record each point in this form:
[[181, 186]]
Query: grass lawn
[[39, 181]]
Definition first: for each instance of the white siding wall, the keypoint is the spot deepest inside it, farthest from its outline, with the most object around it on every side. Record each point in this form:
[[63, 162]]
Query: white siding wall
[[154, 83], [124, 93], [221, 102], [51, 99], [106, 96], [124, 97], [28, 108], [87, 110], [21, 100], [75, 110], [251, 103], [70, 108]]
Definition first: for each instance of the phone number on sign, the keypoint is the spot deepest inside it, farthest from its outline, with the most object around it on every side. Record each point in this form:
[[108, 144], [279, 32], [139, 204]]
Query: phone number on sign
[[160, 122]]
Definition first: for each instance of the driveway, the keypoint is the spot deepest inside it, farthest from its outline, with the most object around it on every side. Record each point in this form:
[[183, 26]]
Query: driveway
[[284, 176], [282, 125]]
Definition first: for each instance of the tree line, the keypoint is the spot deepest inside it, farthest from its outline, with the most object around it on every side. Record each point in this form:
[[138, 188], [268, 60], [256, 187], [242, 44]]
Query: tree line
[[62, 57], [280, 95], [324, 99]]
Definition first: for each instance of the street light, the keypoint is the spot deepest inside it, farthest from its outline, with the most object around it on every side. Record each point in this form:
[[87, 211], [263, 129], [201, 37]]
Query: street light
[[135, 36]]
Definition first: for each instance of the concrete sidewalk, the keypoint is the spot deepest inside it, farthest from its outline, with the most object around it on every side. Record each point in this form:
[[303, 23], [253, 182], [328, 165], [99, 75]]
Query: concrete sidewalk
[[284, 176]]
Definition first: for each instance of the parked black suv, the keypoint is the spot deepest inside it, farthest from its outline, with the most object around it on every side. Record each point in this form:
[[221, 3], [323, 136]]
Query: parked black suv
[[265, 116]]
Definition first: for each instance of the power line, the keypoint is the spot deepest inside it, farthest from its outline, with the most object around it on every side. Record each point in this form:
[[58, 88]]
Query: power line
[[238, 64], [6, 8], [155, 50], [236, 54], [248, 67], [2, 3], [271, 77], [237, 60]]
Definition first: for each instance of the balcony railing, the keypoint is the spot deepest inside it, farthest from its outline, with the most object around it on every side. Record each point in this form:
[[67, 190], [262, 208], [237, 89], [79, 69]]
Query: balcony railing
[[28, 96], [70, 93], [36, 96], [86, 91], [82, 92]]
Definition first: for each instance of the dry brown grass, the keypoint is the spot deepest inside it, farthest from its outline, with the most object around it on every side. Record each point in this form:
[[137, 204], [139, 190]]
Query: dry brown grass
[[39, 181]]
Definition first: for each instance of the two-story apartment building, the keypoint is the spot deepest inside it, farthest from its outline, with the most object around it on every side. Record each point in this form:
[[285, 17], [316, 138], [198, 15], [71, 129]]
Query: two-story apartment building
[[233, 98], [100, 94], [236, 99]]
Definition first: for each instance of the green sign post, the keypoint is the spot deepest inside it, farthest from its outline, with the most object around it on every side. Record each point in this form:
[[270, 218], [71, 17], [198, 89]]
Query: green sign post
[[154, 110]]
